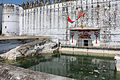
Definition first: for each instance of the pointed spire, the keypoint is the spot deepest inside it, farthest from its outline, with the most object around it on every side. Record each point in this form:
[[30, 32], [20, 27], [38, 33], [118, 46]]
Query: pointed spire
[[31, 4], [40, 3], [23, 5], [49, 1], [55, 1], [27, 5], [59, 1], [46, 2], [36, 3]]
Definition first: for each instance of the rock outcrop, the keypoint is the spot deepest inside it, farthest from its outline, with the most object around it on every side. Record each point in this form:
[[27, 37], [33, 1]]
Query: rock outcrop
[[13, 54], [30, 49], [8, 72], [1, 59]]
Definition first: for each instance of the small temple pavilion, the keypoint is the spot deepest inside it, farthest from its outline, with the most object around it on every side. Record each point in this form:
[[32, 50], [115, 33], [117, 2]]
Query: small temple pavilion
[[87, 36]]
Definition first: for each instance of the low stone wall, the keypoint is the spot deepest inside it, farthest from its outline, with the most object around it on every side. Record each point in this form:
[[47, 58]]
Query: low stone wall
[[8, 72], [30, 49], [104, 51]]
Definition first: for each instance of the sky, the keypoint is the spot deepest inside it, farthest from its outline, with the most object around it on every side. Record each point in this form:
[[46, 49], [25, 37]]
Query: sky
[[14, 1]]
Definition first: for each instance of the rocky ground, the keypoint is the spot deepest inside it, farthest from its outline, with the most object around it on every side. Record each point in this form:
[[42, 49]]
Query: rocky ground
[[30, 49], [8, 72]]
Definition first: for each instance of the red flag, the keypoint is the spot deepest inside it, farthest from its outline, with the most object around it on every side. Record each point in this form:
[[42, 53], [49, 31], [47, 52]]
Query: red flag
[[96, 40], [79, 15], [84, 15], [70, 20]]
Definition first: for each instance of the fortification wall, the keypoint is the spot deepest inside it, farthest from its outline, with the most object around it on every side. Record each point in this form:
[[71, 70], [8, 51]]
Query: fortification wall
[[10, 19], [51, 20]]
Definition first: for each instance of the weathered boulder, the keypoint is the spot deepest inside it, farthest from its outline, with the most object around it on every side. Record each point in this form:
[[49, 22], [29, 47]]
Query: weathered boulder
[[48, 47], [12, 54], [1, 59], [30, 49], [30, 53]]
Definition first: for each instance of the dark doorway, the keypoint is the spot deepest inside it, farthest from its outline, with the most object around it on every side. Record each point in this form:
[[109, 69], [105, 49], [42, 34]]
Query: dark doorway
[[85, 42]]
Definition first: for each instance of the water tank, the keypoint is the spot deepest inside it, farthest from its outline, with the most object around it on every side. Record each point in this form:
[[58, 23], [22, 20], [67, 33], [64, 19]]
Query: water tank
[[10, 19]]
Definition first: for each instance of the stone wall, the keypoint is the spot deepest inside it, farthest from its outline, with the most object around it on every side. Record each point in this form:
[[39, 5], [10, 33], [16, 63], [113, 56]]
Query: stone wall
[[51, 20], [98, 51], [11, 16]]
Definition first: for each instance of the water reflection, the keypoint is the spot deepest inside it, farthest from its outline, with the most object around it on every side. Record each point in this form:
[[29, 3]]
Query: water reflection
[[77, 67]]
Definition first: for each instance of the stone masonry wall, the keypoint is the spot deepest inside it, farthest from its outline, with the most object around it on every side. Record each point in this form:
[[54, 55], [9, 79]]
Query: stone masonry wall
[[51, 20], [8, 72]]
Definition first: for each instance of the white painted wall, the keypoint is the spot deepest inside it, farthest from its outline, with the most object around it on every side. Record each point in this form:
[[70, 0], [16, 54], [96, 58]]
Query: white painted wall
[[10, 19], [49, 20], [21, 22]]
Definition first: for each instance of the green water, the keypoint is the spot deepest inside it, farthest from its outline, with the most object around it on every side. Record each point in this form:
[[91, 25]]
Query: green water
[[77, 67]]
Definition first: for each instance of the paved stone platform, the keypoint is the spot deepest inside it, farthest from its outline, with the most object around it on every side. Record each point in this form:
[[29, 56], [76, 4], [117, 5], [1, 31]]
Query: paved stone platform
[[9, 72], [22, 37]]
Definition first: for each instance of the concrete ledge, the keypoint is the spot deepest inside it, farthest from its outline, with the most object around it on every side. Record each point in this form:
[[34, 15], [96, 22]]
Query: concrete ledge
[[92, 47], [103, 51], [23, 37], [8, 72]]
